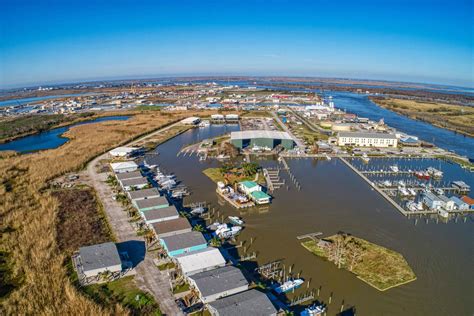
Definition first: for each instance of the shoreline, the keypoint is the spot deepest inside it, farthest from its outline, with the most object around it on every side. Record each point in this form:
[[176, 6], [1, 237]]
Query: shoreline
[[63, 124], [433, 123]]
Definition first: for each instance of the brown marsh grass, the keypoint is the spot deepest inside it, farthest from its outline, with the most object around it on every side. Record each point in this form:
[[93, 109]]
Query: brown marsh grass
[[28, 215]]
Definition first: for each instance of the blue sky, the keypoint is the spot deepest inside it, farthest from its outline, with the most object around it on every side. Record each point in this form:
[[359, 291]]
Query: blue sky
[[61, 41]]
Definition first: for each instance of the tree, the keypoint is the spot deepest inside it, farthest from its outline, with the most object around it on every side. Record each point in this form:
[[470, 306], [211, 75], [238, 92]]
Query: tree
[[198, 228], [215, 242]]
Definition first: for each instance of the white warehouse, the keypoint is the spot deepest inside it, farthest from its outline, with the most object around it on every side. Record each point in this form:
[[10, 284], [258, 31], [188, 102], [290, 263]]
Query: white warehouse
[[366, 139]]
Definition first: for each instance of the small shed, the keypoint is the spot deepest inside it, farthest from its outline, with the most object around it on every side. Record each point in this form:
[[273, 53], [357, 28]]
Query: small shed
[[218, 283], [199, 261], [183, 243]]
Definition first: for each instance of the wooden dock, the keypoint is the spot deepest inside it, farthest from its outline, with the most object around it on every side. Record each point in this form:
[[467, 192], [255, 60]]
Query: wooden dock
[[376, 188], [233, 203], [312, 236]]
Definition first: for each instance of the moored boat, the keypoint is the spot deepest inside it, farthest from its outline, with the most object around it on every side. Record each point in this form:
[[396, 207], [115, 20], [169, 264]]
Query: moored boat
[[236, 220], [314, 310], [288, 286]]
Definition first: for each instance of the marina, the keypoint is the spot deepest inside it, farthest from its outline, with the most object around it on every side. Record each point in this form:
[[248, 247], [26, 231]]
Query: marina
[[359, 202]]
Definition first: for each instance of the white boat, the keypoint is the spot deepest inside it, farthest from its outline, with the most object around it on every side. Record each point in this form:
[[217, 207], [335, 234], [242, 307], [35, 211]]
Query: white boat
[[288, 286], [215, 226], [403, 191], [198, 210], [411, 206], [412, 191], [435, 173], [227, 232], [365, 158], [439, 191], [236, 220], [394, 168], [204, 123], [387, 183], [443, 213], [314, 310]]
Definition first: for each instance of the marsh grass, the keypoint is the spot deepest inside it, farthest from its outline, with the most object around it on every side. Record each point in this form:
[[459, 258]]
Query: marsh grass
[[29, 214]]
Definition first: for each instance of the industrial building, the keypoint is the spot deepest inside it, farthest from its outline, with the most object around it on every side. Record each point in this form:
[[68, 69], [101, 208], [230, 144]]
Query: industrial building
[[262, 139], [366, 139]]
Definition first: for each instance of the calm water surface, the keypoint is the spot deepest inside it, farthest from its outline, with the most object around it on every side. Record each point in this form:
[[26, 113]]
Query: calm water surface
[[334, 199], [50, 139], [37, 99]]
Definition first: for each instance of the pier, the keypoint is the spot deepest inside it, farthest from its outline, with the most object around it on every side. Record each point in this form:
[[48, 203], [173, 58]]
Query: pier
[[382, 193], [272, 177]]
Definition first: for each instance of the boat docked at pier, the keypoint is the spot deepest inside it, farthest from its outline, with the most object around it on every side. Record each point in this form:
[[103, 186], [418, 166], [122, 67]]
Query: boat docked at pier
[[288, 286], [314, 310], [236, 220]]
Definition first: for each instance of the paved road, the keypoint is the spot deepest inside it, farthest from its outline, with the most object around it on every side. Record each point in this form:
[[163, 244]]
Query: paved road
[[149, 278], [298, 142]]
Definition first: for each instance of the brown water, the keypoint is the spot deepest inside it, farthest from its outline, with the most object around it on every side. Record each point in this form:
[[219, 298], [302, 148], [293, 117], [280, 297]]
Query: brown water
[[333, 199]]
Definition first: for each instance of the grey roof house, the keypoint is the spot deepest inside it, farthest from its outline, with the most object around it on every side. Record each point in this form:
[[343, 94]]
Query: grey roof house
[[250, 303], [218, 283], [100, 258]]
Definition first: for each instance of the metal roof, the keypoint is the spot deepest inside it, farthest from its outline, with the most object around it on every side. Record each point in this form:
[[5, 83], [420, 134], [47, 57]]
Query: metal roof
[[367, 135], [129, 175], [123, 165], [185, 240], [259, 134], [250, 302], [249, 184], [151, 202], [171, 226], [200, 260], [134, 181], [99, 256], [260, 195], [219, 280], [159, 213], [140, 194]]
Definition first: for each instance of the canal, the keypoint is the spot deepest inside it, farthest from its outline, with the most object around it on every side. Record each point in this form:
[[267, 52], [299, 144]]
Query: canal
[[333, 198], [50, 139]]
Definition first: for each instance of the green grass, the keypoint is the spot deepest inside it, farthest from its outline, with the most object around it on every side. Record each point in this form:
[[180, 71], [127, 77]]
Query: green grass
[[378, 266], [148, 108], [123, 292], [166, 266], [181, 288], [214, 174]]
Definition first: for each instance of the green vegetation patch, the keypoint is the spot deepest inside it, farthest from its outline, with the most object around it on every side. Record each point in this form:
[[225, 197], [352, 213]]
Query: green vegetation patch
[[231, 174], [124, 292], [34, 124], [378, 266]]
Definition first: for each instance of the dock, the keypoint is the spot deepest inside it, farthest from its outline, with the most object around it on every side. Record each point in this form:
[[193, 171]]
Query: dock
[[312, 236], [233, 203], [272, 177], [376, 188]]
